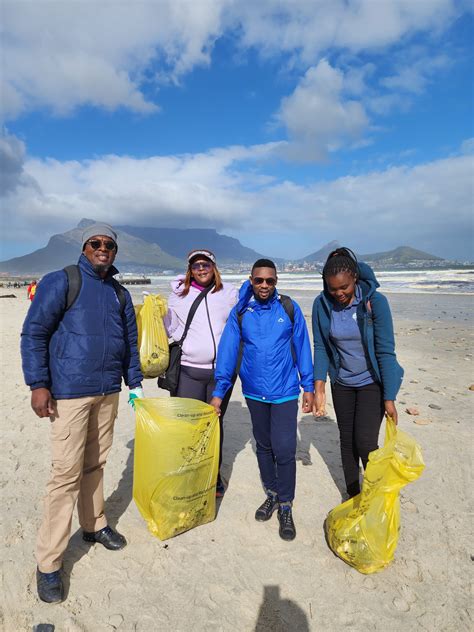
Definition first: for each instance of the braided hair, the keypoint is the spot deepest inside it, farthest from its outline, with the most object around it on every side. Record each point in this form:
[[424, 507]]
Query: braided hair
[[341, 260]]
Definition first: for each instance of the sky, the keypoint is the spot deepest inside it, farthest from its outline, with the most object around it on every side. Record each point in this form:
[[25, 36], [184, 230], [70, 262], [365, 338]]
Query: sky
[[284, 123]]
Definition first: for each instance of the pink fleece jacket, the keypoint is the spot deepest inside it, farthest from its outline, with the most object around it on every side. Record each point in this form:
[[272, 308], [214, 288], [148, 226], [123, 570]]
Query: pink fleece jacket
[[200, 344]]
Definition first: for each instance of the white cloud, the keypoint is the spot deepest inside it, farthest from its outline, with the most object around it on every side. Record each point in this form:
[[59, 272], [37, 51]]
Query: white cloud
[[414, 75], [61, 55], [65, 54], [12, 158], [318, 117], [428, 205]]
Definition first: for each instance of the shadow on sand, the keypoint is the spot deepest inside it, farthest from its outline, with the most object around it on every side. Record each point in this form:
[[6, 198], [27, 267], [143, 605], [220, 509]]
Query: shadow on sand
[[279, 615], [323, 434]]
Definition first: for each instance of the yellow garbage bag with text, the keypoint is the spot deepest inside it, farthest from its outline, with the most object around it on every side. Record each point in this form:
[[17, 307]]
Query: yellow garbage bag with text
[[175, 464], [363, 531], [152, 338]]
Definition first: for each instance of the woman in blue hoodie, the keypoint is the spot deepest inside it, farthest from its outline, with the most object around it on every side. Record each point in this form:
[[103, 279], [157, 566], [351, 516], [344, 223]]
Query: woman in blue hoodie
[[354, 343]]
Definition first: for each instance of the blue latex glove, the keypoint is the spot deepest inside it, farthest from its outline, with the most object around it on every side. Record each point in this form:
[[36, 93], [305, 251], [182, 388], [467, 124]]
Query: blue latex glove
[[135, 393]]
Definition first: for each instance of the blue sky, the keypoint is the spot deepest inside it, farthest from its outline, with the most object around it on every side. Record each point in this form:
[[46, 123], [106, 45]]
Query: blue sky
[[285, 124]]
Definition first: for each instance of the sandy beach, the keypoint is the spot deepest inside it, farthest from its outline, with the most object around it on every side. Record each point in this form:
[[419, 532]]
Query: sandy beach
[[235, 573]]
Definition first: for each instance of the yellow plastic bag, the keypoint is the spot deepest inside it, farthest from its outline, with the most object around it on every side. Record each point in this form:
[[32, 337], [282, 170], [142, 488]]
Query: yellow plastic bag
[[152, 338], [176, 463], [363, 531]]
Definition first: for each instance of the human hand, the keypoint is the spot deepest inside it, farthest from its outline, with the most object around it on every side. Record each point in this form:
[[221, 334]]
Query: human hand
[[319, 405], [308, 399], [216, 403], [135, 393], [390, 410], [42, 402]]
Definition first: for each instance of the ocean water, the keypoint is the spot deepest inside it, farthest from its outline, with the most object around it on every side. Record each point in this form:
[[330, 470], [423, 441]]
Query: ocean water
[[399, 282]]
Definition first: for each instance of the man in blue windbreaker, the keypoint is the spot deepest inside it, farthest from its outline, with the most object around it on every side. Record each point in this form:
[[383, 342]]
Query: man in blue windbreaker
[[276, 364], [75, 352]]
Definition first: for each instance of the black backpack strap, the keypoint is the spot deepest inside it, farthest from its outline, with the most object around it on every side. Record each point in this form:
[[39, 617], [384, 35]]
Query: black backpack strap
[[74, 284], [197, 301], [120, 291], [288, 307]]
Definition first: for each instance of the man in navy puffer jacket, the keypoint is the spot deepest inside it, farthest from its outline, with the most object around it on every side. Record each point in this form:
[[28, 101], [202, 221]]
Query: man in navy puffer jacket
[[74, 360], [276, 364]]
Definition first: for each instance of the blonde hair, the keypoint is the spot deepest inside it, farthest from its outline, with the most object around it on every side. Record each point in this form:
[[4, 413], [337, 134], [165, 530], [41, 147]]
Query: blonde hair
[[189, 278]]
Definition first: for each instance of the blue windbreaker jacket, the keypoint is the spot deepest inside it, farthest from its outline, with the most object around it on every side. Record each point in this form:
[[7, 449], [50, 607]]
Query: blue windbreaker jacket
[[86, 350], [268, 369], [376, 327]]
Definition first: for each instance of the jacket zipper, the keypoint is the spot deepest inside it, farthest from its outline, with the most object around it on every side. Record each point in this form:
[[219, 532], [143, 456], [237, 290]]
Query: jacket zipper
[[105, 318], [212, 333]]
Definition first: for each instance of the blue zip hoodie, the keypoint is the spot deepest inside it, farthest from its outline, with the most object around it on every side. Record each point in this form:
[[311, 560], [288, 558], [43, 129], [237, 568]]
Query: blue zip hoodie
[[375, 323], [85, 350], [268, 370]]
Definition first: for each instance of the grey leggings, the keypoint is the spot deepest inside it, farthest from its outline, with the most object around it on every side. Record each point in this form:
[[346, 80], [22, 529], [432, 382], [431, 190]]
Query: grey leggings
[[199, 384]]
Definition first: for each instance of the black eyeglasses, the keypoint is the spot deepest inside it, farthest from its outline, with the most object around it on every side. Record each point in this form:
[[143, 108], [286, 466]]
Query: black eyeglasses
[[95, 244], [205, 265], [260, 281]]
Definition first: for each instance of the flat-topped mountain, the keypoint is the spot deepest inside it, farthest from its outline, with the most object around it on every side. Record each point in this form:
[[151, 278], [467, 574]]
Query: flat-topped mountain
[[140, 249]]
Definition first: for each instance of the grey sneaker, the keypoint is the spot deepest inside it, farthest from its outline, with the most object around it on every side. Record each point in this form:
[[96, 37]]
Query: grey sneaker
[[287, 526], [266, 509]]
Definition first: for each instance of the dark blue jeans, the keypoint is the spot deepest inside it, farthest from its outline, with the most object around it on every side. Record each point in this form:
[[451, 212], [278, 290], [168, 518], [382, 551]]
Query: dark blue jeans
[[274, 429]]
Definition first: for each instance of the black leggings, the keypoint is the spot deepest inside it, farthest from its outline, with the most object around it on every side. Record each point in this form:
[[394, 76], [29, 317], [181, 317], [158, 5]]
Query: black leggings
[[199, 384], [359, 413]]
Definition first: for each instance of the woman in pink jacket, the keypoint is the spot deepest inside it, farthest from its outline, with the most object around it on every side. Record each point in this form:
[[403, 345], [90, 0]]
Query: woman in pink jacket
[[199, 349]]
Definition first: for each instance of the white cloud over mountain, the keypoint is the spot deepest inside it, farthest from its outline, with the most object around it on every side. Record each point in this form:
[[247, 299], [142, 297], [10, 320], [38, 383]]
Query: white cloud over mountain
[[415, 205]]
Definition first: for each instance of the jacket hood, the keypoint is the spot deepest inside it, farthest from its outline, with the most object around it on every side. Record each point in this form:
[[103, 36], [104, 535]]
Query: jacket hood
[[246, 294], [88, 268], [367, 281]]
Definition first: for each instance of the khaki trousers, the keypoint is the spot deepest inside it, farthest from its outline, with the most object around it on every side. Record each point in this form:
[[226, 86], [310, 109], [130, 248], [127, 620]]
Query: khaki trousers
[[81, 437]]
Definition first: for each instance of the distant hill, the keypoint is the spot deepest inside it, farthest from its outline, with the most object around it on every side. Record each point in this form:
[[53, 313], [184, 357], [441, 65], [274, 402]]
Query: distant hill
[[400, 255], [179, 241], [322, 253]]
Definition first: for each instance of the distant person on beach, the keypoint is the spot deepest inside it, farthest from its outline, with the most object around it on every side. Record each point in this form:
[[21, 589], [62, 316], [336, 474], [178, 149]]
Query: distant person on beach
[[354, 343], [74, 357], [198, 359], [270, 332], [31, 290]]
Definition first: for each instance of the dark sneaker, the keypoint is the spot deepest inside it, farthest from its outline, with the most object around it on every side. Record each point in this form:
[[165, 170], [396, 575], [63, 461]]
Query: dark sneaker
[[266, 509], [287, 526], [111, 539], [220, 487], [49, 586]]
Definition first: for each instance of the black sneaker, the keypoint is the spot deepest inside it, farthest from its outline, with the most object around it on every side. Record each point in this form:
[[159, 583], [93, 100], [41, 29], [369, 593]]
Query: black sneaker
[[49, 586], [111, 539], [266, 509], [287, 526]]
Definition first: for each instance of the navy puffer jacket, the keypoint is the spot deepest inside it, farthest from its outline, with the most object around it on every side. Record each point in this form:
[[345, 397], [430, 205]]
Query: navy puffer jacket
[[86, 350]]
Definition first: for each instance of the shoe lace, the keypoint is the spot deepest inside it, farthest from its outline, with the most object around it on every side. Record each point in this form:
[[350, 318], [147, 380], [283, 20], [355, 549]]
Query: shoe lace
[[268, 504], [51, 578], [286, 517]]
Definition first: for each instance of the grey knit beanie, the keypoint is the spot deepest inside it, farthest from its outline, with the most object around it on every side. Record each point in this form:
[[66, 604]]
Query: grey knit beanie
[[94, 230]]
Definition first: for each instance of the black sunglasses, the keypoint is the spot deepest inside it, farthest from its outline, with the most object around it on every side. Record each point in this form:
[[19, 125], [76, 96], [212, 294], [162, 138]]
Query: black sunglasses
[[260, 281], [95, 244]]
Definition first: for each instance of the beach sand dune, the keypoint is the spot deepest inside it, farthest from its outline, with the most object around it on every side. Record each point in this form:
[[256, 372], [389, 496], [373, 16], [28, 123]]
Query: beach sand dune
[[235, 573]]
